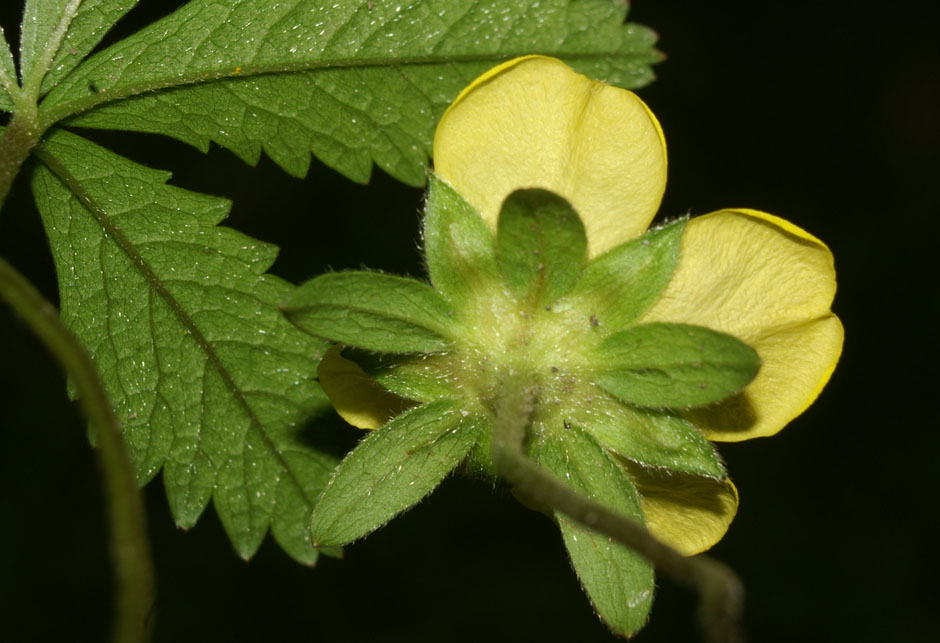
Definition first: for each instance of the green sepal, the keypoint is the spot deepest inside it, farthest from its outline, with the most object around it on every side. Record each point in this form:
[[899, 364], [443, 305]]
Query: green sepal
[[541, 245], [479, 462], [392, 469], [415, 377], [663, 365], [653, 438], [621, 284], [618, 581], [374, 311], [458, 245], [7, 72]]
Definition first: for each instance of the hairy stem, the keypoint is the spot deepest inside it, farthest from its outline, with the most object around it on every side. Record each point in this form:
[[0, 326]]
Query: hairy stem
[[720, 591], [130, 549], [16, 142]]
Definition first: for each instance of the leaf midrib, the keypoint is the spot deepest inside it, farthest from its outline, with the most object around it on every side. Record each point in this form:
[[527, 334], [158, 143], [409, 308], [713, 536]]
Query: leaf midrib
[[69, 108], [117, 235]]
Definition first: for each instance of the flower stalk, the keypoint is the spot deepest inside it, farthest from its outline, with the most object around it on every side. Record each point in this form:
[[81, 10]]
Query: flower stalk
[[561, 348], [721, 593]]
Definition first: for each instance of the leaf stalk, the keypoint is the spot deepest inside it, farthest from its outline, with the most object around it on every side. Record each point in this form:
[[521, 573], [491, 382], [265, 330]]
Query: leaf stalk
[[130, 548], [16, 142]]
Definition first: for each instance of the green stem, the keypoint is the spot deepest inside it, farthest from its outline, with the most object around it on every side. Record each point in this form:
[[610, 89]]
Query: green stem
[[21, 136], [130, 549], [16, 142], [720, 591]]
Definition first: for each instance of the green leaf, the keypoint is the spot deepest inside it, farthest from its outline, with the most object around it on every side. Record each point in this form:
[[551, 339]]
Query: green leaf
[[618, 581], [652, 438], [213, 384], [664, 365], [392, 469], [374, 311], [541, 246], [458, 246], [92, 21], [621, 284], [43, 30], [58, 34], [352, 83]]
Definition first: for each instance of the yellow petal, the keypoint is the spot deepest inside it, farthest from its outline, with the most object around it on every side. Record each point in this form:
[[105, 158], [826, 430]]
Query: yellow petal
[[770, 284], [358, 398], [534, 122], [690, 513]]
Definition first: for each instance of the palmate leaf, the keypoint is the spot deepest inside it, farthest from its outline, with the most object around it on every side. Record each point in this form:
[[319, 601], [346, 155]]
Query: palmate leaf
[[213, 383], [353, 82]]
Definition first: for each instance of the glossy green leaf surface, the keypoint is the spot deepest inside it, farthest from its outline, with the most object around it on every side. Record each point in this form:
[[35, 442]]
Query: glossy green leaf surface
[[213, 384], [664, 365], [91, 22], [352, 83], [374, 311], [392, 469]]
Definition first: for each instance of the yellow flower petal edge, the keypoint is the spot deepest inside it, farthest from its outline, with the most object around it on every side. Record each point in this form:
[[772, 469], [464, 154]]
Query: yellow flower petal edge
[[689, 513], [358, 398], [770, 284], [534, 122]]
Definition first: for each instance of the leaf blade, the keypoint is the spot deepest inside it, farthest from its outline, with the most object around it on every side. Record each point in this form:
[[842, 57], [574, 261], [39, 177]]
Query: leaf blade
[[326, 74], [182, 321], [92, 21]]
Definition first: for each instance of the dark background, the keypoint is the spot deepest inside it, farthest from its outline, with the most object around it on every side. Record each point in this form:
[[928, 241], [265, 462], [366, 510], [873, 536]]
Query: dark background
[[824, 113]]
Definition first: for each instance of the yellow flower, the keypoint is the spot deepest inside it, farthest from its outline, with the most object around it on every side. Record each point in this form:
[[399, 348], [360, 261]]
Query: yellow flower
[[534, 122]]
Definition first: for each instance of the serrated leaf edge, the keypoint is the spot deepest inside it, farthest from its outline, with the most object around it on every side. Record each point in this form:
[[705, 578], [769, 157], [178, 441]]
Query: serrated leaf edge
[[119, 238]]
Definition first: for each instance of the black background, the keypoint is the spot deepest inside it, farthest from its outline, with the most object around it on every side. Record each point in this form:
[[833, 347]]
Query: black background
[[824, 113]]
